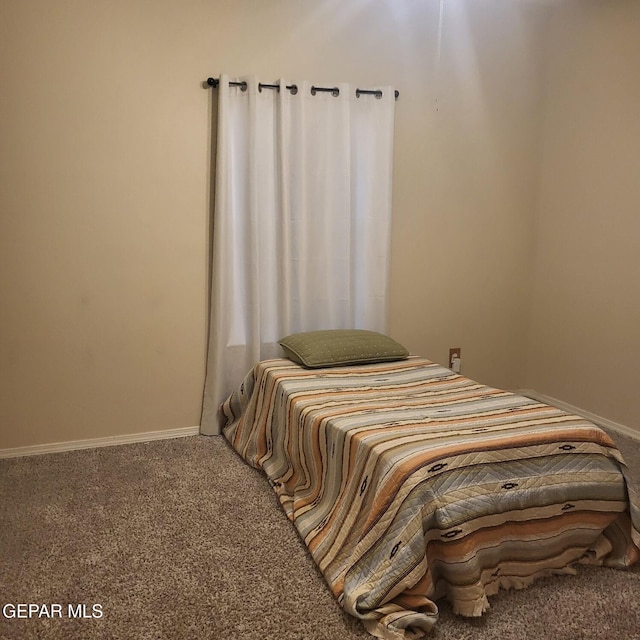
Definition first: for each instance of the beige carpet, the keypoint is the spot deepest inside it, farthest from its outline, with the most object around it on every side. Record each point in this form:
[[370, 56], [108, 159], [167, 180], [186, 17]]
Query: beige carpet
[[179, 539]]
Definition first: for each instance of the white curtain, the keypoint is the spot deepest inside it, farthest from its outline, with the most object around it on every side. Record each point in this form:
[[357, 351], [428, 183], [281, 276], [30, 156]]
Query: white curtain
[[301, 222]]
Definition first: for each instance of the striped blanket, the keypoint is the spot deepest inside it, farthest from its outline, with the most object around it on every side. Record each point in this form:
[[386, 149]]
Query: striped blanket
[[409, 483]]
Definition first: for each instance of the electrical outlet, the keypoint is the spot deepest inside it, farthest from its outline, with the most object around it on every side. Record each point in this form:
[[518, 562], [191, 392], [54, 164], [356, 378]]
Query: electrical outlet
[[455, 359]]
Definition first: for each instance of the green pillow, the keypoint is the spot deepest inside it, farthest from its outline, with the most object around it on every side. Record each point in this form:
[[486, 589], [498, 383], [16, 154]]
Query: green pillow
[[335, 347]]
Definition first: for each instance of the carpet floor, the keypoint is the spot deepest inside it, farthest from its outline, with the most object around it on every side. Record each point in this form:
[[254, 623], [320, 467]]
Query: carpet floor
[[179, 539]]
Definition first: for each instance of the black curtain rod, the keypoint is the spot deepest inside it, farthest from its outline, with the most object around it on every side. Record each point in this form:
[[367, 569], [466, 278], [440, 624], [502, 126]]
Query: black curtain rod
[[335, 91]]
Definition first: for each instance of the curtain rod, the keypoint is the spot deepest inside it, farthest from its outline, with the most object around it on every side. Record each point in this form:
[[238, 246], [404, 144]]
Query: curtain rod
[[335, 91]]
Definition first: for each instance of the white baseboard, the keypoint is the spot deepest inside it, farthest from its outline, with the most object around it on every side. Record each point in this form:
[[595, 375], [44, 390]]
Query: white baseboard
[[569, 408], [92, 443], [109, 441]]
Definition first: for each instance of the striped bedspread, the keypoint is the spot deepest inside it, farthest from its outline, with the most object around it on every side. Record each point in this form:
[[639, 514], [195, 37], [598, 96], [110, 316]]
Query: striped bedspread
[[409, 483]]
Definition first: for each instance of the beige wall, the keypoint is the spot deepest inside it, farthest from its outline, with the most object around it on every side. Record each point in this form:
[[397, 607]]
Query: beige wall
[[585, 324], [104, 188], [466, 175]]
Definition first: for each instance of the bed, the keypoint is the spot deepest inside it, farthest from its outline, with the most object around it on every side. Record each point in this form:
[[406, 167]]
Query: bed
[[409, 483]]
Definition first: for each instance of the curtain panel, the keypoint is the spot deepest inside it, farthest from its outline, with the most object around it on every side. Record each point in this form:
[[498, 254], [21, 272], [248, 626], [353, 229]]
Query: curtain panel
[[301, 227]]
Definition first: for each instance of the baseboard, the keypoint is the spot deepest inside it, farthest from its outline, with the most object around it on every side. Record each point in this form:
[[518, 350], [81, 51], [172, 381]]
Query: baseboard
[[109, 441], [92, 443], [569, 408]]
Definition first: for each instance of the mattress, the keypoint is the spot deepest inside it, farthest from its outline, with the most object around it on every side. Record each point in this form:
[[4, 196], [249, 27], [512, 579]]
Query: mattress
[[409, 483]]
